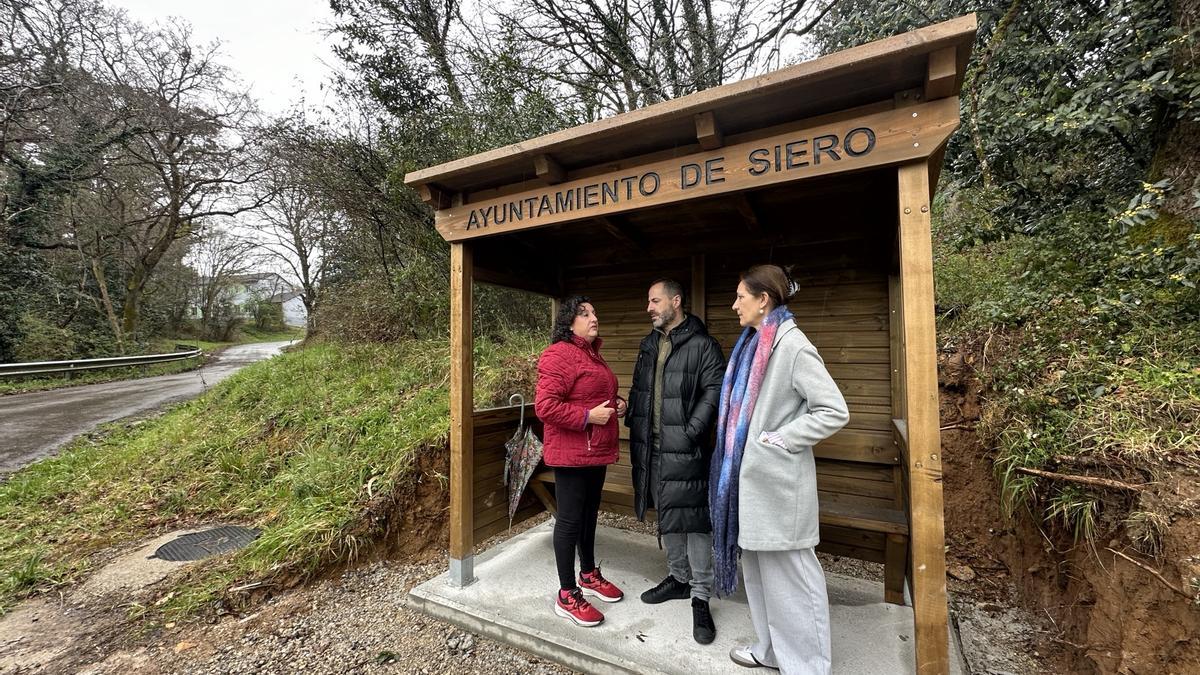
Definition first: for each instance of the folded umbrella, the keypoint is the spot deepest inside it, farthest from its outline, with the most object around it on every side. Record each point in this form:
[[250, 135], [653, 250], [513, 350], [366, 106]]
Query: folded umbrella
[[522, 456]]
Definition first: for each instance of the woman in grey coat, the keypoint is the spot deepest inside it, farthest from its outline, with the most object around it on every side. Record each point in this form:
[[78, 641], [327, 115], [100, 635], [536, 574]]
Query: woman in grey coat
[[777, 402]]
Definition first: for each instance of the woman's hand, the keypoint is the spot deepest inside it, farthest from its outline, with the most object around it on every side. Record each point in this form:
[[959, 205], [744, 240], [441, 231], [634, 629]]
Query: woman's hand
[[600, 414], [772, 438], [622, 407]]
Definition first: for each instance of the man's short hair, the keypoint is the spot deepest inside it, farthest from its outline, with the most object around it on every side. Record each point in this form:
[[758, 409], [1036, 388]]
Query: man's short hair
[[672, 288]]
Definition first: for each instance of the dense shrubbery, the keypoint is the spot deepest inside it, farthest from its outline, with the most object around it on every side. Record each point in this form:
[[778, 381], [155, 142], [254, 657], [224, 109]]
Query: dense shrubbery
[[1090, 350], [1068, 235]]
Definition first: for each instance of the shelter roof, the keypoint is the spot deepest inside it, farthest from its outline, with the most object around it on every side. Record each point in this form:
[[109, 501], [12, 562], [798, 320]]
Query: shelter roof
[[847, 79]]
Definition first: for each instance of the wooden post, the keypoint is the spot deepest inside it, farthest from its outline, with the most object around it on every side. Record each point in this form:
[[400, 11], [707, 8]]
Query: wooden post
[[462, 456], [921, 406], [896, 549], [699, 298], [896, 344]]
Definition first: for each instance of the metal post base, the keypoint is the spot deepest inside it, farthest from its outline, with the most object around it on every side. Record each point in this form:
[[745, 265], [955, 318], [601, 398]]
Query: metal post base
[[462, 572]]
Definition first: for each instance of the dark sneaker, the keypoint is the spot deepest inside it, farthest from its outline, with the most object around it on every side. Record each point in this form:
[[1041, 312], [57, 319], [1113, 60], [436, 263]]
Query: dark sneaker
[[703, 628], [597, 586], [572, 606], [668, 589]]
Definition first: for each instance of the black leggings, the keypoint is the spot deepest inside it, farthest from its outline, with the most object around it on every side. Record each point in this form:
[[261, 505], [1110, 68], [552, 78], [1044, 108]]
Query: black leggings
[[577, 489]]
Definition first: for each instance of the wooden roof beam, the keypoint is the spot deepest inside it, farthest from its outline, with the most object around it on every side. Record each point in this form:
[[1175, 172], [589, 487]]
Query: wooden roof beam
[[500, 262], [436, 197], [708, 132], [526, 248], [522, 280], [941, 74], [548, 170], [622, 233]]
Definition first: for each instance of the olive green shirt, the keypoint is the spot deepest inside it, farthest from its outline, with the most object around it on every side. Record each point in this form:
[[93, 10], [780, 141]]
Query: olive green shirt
[[664, 351]]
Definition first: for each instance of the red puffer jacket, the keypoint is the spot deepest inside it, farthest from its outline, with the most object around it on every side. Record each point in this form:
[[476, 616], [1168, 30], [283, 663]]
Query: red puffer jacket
[[572, 379]]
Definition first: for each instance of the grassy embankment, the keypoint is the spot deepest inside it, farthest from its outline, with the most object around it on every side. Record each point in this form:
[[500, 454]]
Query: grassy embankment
[[157, 346], [289, 446], [1088, 347]]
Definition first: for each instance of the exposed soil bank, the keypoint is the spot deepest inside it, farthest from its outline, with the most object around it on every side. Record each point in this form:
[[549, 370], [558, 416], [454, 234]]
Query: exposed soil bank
[[1105, 614]]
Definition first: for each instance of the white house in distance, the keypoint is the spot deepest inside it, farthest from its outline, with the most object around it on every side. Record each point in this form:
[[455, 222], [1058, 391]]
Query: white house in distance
[[295, 314], [246, 289]]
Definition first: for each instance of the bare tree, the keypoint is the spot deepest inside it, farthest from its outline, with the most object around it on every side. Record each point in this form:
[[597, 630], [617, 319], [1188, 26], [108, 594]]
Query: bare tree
[[194, 144], [219, 257], [297, 225], [56, 119], [632, 53]]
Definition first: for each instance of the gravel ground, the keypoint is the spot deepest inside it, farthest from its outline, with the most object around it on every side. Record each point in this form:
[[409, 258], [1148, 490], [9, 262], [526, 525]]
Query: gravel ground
[[997, 639], [356, 622]]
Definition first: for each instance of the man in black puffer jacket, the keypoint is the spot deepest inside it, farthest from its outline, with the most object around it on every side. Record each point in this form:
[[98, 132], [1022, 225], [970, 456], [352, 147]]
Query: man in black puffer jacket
[[672, 409]]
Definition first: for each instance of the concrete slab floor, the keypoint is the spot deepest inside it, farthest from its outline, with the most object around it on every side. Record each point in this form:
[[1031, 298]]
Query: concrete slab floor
[[512, 602]]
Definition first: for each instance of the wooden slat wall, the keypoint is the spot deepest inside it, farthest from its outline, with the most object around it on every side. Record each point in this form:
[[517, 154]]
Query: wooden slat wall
[[844, 312], [492, 428]]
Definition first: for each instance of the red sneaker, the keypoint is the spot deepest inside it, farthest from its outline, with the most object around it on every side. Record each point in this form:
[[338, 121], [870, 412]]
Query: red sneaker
[[571, 605], [595, 585]]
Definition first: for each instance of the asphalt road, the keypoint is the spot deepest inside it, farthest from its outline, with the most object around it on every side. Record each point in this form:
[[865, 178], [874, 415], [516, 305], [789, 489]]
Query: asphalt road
[[34, 425]]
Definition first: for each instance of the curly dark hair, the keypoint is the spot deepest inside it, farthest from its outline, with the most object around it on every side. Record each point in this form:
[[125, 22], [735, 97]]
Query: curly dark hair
[[568, 309]]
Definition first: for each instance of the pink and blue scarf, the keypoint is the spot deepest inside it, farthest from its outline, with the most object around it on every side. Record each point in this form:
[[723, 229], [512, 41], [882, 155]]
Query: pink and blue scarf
[[743, 379]]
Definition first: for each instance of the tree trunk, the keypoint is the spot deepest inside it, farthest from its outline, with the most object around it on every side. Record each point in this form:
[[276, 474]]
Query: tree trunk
[[1175, 157], [975, 78], [106, 302], [133, 299]]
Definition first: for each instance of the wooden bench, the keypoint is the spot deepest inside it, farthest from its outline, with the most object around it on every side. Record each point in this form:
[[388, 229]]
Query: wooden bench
[[851, 527]]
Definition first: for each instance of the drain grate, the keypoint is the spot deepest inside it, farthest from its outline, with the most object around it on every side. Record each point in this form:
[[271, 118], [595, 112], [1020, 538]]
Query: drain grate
[[199, 545]]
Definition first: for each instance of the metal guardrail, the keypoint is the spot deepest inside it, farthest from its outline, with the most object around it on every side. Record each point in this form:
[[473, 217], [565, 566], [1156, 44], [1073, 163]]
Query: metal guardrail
[[49, 367]]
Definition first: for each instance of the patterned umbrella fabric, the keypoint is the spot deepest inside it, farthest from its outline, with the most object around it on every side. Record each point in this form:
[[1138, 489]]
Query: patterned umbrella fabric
[[524, 452]]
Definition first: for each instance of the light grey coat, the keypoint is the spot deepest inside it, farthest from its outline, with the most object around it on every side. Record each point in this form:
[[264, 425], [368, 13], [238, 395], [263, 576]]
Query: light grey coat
[[777, 486]]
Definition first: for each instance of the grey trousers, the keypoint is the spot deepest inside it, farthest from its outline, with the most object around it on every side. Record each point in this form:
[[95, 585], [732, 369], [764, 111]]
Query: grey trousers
[[790, 610], [690, 558]]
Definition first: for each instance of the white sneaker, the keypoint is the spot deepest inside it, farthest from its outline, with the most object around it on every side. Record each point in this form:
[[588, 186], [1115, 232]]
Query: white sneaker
[[744, 657]]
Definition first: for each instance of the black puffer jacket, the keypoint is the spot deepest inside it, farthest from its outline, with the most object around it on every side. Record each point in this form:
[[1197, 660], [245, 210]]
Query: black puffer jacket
[[691, 394]]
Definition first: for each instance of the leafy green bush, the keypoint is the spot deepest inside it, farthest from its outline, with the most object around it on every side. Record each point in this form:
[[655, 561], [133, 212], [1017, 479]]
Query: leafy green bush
[[1092, 348], [43, 341], [268, 316]]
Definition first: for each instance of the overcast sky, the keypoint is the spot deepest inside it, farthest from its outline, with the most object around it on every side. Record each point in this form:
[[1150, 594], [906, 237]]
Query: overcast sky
[[275, 46]]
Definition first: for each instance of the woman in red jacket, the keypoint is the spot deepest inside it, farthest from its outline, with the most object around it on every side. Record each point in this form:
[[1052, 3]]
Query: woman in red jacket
[[577, 403]]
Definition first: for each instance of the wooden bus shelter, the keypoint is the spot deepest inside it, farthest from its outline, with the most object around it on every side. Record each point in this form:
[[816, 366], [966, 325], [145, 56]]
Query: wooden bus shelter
[[828, 166]]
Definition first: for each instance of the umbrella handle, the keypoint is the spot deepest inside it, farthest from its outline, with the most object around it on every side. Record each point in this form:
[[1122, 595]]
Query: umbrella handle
[[520, 401]]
